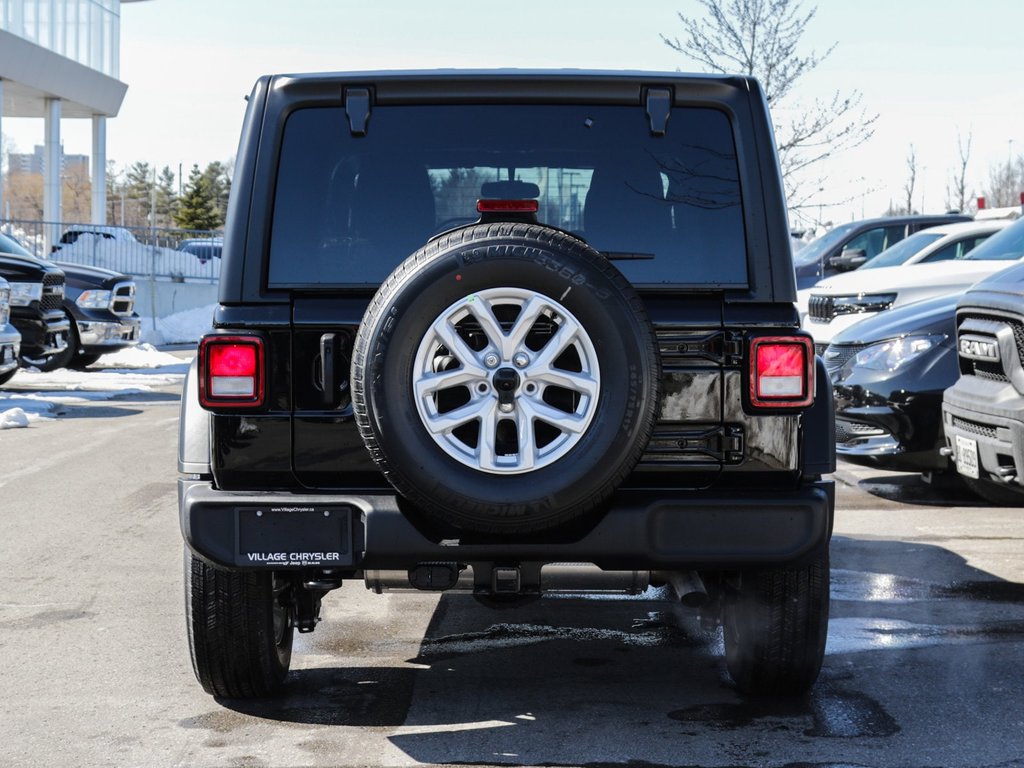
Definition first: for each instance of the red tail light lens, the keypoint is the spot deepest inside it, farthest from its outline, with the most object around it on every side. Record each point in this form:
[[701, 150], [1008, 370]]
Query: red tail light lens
[[781, 372], [231, 371], [506, 206]]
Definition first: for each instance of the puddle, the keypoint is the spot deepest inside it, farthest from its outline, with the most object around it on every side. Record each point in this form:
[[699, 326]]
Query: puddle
[[513, 635], [827, 713]]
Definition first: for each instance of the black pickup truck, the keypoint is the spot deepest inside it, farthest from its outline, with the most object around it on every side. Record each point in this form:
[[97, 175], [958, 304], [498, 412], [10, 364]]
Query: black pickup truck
[[37, 292], [510, 333]]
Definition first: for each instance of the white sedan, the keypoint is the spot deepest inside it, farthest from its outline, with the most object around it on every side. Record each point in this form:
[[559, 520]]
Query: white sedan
[[930, 266]]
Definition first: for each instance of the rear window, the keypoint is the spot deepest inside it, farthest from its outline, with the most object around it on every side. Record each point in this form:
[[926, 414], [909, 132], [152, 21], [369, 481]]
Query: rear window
[[348, 209]]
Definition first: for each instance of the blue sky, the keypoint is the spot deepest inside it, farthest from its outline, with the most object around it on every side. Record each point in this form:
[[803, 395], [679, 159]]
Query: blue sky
[[928, 67]]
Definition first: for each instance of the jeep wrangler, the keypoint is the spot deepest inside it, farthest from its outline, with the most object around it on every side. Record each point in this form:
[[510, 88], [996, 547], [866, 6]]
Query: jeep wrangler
[[511, 333]]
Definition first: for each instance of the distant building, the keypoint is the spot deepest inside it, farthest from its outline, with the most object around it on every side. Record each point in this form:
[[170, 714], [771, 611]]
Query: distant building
[[34, 163], [60, 60]]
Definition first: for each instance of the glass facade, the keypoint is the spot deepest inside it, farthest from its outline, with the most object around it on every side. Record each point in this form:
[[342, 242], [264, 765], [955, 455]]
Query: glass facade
[[85, 31]]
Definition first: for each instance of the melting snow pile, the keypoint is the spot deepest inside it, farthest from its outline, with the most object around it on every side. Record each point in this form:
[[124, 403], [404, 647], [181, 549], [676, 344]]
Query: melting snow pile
[[32, 395], [180, 328]]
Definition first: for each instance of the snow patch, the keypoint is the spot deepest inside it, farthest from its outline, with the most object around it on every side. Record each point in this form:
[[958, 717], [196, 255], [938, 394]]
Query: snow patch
[[184, 327], [13, 418], [143, 356]]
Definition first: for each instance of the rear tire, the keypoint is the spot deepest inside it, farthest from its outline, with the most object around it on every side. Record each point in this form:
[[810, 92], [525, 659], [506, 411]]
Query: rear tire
[[776, 626], [996, 493], [240, 629], [5, 377]]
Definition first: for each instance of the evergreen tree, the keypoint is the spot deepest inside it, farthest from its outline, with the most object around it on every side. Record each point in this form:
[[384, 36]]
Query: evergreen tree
[[166, 197], [220, 187], [197, 207], [138, 181]]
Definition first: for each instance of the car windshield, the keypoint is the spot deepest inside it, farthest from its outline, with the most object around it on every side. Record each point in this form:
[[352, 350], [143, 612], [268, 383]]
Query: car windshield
[[1007, 245], [8, 245], [666, 208], [818, 247], [903, 250]]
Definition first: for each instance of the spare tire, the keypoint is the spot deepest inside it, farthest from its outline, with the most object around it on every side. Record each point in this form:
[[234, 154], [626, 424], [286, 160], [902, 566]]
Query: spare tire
[[505, 378]]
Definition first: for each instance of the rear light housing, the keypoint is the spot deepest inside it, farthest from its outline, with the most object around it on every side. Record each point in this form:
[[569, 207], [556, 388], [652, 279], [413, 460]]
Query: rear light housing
[[231, 371], [507, 206], [781, 372]]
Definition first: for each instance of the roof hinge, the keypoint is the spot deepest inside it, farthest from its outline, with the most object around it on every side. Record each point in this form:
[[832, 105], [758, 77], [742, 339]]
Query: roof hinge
[[357, 107], [659, 108]]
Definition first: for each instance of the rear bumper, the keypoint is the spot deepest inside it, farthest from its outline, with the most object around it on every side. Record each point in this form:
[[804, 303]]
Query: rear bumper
[[641, 530]]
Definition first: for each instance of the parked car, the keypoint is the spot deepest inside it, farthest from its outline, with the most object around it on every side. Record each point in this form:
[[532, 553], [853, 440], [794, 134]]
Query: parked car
[[849, 246], [100, 307], [888, 373], [837, 303], [424, 385], [943, 243], [983, 412], [10, 339], [37, 293], [71, 234], [203, 248]]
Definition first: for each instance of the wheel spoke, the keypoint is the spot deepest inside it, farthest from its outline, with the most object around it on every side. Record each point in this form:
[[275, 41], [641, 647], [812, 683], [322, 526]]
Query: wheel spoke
[[457, 346], [481, 310], [557, 344], [527, 439], [485, 450], [528, 315], [582, 383], [439, 423], [429, 383], [566, 422]]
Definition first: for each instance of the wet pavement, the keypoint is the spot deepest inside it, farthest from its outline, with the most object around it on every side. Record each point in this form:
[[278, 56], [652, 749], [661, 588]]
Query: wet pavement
[[925, 661]]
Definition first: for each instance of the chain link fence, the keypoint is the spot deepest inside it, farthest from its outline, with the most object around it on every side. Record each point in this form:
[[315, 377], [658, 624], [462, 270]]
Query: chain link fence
[[153, 253]]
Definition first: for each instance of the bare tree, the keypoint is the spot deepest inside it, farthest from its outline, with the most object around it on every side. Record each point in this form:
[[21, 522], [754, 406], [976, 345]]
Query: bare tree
[[761, 38], [956, 190], [1005, 183], [911, 182]]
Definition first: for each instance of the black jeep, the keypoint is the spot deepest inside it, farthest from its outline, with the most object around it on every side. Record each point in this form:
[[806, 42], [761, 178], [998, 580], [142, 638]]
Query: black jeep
[[476, 326]]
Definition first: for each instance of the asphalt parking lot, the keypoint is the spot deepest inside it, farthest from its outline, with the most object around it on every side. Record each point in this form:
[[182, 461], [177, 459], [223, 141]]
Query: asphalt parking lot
[[923, 666]]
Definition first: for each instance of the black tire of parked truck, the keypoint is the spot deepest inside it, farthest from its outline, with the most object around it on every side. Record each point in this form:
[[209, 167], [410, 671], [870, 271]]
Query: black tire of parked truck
[[997, 493], [776, 626], [240, 629], [506, 378], [5, 377]]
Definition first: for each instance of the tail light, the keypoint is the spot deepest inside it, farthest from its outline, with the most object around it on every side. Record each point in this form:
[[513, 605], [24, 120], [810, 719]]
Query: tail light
[[231, 371], [781, 372], [506, 206]]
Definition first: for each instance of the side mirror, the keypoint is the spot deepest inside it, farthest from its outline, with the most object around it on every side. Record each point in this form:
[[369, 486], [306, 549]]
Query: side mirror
[[849, 259]]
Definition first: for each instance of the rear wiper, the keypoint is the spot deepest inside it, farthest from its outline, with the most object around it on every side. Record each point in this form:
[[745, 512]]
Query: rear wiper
[[626, 256]]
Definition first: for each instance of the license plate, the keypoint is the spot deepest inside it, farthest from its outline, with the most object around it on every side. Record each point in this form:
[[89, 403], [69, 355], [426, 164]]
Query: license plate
[[967, 457], [294, 536]]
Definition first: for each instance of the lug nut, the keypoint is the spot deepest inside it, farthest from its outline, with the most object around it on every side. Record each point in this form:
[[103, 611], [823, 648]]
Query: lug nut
[[521, 360], [491, 360]]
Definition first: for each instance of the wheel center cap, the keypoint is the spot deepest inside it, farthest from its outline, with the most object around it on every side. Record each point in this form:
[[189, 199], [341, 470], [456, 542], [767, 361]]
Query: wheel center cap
[[505, 381]]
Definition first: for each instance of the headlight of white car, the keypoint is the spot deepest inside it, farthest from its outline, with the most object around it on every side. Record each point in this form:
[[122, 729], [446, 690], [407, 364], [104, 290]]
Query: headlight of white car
[[93, 299], [862, 302], [891, 355], [23, 294]]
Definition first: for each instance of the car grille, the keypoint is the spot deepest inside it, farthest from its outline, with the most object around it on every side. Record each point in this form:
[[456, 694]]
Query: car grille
[[53, 291], [851, 430], [974, 428], [821, 308], [994, 371], [122, 300], [837, 355]]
